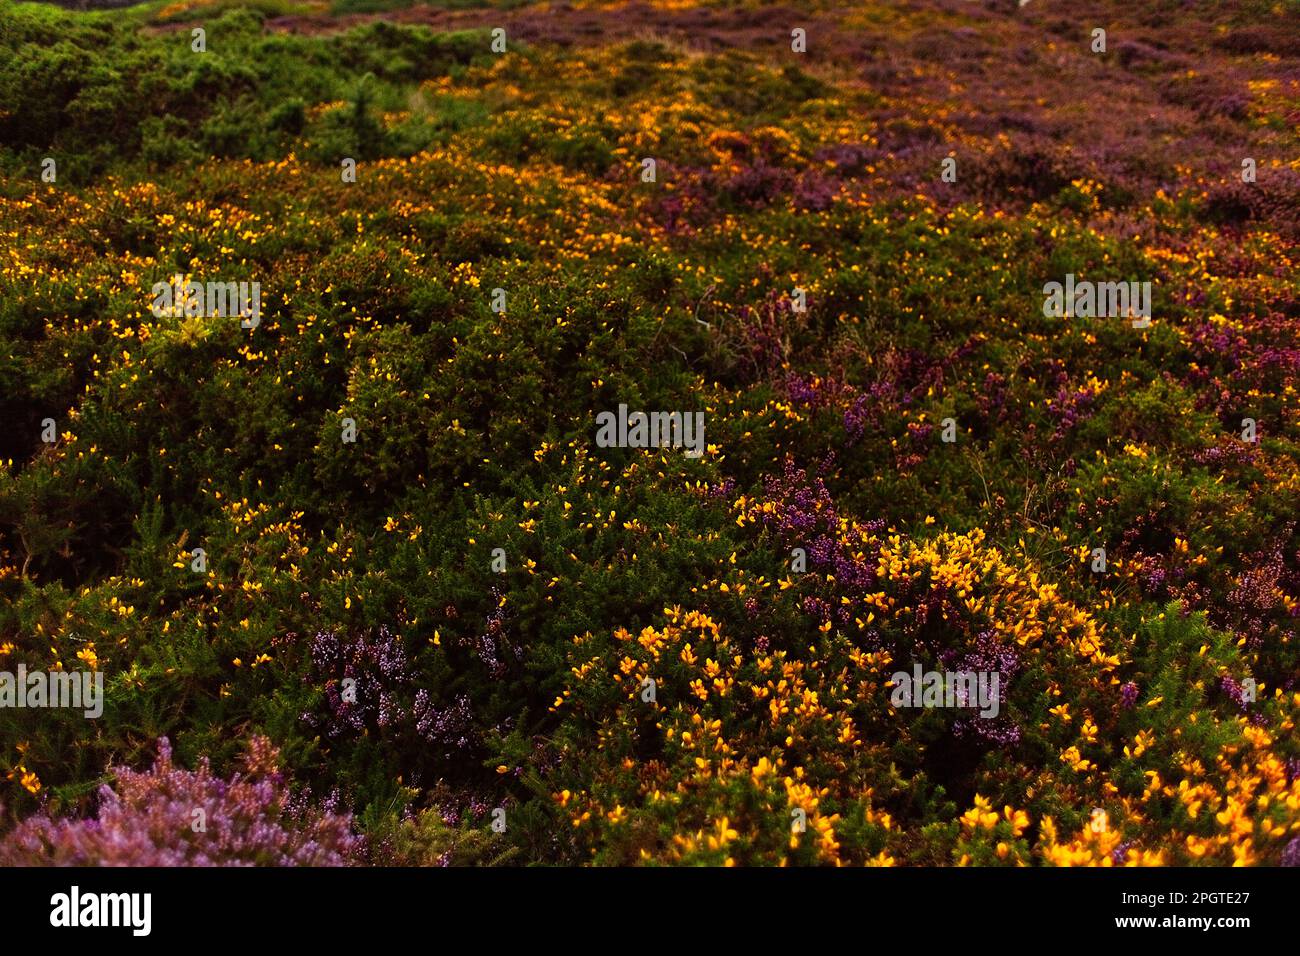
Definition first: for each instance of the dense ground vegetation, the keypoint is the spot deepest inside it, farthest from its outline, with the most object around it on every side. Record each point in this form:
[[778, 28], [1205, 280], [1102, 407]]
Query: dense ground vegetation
[[523, 690]]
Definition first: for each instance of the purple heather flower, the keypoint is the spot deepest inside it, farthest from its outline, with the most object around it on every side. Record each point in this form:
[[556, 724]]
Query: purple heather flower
[[387, 695], [1233, 689], [1128, 694], [1291, 855], [450, 727], [166, 816]]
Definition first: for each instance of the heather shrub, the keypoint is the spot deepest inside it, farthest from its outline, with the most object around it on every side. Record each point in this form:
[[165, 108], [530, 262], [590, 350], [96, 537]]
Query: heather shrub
[[167, 816]]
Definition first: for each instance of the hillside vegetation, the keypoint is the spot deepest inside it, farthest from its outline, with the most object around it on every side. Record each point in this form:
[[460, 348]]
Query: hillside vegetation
[[474, 614]]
